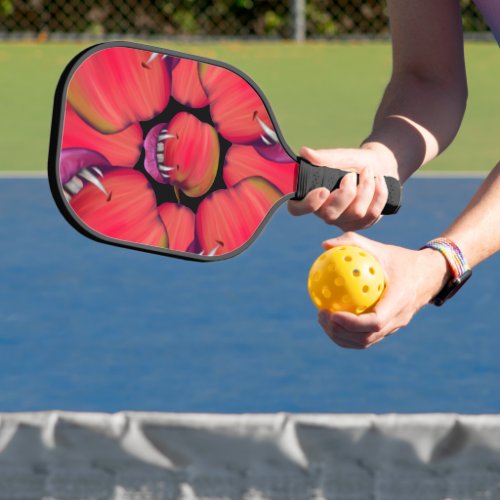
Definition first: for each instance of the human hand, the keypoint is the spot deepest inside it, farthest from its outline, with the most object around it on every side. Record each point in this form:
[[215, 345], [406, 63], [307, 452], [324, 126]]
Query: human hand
[[413, 278], [351, 206]]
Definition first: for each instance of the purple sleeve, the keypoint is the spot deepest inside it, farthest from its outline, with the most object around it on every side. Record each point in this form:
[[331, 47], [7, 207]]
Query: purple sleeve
[[490, 9]]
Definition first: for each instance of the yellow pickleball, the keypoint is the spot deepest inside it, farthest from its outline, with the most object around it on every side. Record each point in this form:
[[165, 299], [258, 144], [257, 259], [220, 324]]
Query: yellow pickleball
[[346, 278]]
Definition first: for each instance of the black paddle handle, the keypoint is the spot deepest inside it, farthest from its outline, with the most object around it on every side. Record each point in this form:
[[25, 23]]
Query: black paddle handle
[[311, 177]]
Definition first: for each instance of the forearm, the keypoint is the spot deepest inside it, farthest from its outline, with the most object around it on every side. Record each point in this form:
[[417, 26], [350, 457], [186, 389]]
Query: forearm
[[424, 103], [477, 230], [416, 120]]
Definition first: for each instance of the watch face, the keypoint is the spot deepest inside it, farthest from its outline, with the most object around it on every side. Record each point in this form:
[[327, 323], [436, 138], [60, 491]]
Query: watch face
[[451, 288]]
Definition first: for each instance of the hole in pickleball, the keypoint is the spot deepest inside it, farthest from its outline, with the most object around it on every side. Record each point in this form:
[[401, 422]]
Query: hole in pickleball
[[346, 299], [339, 281], [366, 289], [356, 273], [317, 276], [362, 254], [337, 306], [348, 258], [327, 293], [372, 270], [331, 268], [379, 287], [360, 309]]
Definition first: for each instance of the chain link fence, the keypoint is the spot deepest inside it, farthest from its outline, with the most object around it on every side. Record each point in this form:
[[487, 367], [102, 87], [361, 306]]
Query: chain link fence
[[286, 19]]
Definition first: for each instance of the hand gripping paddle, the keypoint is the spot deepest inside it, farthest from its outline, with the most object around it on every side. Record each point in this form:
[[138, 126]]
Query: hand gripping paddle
[[170, 153]]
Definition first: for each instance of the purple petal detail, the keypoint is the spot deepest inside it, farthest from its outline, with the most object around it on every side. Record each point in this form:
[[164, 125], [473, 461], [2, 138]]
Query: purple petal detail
[[150, 144], [171, 62], [194, 247], [276, 152], [72, 160]]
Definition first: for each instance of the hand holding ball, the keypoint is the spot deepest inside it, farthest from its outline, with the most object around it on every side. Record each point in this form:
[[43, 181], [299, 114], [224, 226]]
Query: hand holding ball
[[346, 278]]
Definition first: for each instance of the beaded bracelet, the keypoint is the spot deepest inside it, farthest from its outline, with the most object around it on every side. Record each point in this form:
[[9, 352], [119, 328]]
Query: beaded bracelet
[[460, 269], [452, 254]]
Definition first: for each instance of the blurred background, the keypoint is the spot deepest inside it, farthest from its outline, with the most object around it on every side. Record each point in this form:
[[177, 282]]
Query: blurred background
[[283, 19], [334, 79]]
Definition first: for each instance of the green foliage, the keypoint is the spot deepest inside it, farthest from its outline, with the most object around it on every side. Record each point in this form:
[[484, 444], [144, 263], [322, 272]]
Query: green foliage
[[186, 20], [272, 22], [324, 18], [320, 21], [6, 8]]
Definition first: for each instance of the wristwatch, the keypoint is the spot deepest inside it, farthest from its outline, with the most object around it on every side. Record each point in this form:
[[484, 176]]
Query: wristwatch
[[460, 270]]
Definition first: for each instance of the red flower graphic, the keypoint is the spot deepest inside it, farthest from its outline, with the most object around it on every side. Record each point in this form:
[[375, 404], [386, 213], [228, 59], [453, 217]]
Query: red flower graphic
[[128, 151]]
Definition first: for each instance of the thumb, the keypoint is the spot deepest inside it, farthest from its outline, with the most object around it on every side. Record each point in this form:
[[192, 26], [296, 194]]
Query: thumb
[[338, 158], [349, 238]]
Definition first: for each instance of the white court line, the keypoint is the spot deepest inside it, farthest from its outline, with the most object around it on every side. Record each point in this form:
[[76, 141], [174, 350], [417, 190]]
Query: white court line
[[23, 174], [454, 174]]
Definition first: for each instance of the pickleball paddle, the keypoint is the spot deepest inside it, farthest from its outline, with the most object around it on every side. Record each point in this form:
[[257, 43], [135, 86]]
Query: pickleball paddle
[[171, 153]]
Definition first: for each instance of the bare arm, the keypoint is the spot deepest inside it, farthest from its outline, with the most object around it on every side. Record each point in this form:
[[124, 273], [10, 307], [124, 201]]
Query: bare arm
[[477, 230], [418, 117], [424, 102]]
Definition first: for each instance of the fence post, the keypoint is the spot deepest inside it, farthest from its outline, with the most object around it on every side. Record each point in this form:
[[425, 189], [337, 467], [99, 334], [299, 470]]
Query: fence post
[[299, 20]]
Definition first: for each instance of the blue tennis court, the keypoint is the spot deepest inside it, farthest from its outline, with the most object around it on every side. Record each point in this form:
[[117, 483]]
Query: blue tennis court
[[90, 327]]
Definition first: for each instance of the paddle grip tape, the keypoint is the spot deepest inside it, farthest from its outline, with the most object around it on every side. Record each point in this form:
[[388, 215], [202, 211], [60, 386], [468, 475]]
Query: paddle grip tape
[[311, 177]]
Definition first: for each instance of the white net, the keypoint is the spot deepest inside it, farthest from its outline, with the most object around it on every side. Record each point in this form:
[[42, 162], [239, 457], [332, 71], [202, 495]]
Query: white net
[[155, 456]]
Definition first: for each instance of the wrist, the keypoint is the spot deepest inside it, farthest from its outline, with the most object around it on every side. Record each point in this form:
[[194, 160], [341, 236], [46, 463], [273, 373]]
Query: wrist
[[437, 272]]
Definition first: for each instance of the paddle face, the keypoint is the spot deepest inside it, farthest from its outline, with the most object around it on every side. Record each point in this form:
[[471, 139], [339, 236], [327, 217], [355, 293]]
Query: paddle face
[[163, 152]]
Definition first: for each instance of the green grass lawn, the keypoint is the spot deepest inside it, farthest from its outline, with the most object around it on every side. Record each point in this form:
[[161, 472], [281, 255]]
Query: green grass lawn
[[323, 95]]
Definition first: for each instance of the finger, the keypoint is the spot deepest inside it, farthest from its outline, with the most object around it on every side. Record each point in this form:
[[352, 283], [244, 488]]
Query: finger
[[385, 317], [355, 341], [348, 238], [311, 203], [365, 191], [339, 334], [376, 338], [347, 338], [340, 340], [380, 195], [338, 157], [362, 324], [338, 201], [372, 343], [362, 340]]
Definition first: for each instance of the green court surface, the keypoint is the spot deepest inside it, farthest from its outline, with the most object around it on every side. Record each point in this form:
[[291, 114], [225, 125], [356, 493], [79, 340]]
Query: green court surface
[[323, 95]]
